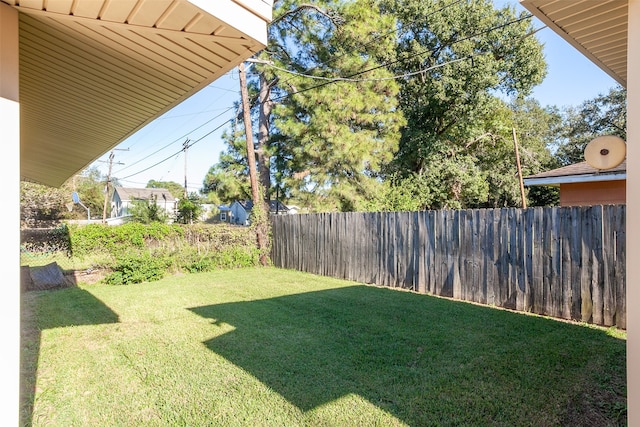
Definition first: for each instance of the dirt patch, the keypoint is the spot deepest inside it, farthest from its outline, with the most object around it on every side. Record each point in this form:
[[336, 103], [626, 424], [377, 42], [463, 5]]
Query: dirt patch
[[51, 276], [88, 277]]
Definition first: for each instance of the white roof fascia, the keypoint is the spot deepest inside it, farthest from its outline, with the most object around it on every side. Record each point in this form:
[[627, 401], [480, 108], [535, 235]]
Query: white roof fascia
[[555, 180], [239, 17]]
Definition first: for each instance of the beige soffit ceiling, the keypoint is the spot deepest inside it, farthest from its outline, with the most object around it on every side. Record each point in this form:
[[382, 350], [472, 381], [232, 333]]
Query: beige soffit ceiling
[[93, 72], [597, 28]]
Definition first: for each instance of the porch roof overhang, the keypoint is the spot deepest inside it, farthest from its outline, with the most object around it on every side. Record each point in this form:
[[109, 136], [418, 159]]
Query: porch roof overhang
[[577, 173], [574, 179], [596, 28], [93, 72]]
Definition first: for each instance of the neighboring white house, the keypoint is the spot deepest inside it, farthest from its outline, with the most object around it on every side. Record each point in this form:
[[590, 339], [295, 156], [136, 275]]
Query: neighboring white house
[[123, 198], [240, 211]]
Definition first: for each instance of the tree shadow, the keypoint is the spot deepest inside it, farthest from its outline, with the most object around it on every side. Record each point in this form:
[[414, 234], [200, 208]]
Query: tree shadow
[[425, 360], [81, 308]]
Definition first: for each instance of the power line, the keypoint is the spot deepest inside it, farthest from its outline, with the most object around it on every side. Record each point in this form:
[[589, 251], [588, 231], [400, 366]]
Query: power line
[[330, 80], [176, 153], [377, 79], [177, 139], [398, 76], [497, 27], [378, 38], [165, 117], [177, 116]]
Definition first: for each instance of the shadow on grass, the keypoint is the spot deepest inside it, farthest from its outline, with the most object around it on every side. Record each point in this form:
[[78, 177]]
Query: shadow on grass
[[40, 311], [425, 360]]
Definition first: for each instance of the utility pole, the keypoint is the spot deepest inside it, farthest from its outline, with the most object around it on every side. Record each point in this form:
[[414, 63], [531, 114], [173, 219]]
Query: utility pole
[[185, 146], [106, 186]]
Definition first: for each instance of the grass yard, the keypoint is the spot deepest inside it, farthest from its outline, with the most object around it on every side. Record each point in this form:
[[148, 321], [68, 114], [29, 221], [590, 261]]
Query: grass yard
[[271, 347]]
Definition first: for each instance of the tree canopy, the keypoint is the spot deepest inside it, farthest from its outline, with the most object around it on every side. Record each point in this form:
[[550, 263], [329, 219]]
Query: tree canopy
[[334, 121], [402, 105], [605, 114], [472, 58], [41, 205]]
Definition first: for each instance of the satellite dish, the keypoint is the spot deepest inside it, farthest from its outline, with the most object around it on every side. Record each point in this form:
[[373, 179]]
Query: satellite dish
[[75, 198], [605, 152]]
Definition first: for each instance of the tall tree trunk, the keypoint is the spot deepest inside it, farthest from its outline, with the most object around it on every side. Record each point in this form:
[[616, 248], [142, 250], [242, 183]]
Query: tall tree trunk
[[260, 212], [263, 135]]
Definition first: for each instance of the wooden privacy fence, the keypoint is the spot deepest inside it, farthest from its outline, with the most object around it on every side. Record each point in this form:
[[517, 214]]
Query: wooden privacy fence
[[565, 262]]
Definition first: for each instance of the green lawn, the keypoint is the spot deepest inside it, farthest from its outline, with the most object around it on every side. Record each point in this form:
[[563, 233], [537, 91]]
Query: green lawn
[[270, 347]]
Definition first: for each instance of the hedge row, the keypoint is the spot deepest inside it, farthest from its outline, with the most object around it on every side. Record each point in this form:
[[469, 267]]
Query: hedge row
[[137, 253]]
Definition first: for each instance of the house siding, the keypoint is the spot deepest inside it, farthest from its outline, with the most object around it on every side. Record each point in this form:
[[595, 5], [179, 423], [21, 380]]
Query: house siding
[[238, 214], [593, 193], [123, 198]]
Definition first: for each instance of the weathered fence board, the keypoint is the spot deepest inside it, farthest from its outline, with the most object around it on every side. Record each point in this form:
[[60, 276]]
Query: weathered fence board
[[560, 262]]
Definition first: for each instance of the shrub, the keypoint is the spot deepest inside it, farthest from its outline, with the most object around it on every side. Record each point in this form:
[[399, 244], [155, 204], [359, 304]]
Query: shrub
[[46, 240], [229, 258], [137, 252], [90, 238], [137, 269]]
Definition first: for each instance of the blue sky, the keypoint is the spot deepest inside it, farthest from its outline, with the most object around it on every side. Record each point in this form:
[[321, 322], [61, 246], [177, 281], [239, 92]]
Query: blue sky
[[155, 152]]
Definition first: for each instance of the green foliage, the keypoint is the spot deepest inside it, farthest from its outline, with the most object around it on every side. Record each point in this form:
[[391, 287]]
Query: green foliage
[[228, 180], [543, 196], [88, 239], [331, 141], [189, 209], [534, 127], [42, 241], [42, 206], [137, 268], [147, 211], [336, 146], [217, 236], [229, 258], [261, 225], [483, 172], [458, 134], [606, 114], [90, 186], [138, 252], [327, 142]]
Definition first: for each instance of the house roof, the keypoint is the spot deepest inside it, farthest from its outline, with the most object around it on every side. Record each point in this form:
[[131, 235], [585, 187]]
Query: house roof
[[579, 172], [127, 194], [597, 29], [274, 205], [93, 72]]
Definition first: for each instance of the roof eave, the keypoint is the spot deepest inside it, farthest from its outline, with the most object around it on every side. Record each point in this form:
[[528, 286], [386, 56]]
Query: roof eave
[[557, 180], [572, 27], [92, 76]]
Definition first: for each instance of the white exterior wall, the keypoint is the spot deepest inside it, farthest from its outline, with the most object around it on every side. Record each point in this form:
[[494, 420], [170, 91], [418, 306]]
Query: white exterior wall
[[120, 208], [10, 216], [633, 210]]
